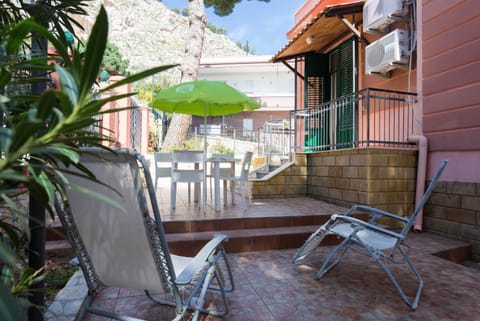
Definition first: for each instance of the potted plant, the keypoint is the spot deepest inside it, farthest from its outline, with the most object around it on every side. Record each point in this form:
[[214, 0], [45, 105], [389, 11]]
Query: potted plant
[[38, 132]]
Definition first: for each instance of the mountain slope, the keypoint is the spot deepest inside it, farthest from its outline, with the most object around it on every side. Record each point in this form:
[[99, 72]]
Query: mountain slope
[[148, 34]]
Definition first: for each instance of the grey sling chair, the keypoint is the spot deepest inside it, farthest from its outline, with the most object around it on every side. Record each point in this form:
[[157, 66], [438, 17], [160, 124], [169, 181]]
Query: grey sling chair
[[371, 239], [120, 241]]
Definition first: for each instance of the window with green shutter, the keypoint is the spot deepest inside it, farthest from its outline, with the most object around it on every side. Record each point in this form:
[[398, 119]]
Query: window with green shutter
[[317, 91], [328, 77], [342, 76]]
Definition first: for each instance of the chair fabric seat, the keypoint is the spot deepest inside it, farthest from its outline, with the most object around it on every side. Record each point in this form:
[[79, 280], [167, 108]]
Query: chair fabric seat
[[371, 238], [179, 263]]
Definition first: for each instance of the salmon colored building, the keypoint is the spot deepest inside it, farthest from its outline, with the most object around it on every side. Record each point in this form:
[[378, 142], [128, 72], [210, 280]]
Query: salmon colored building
[[385, 89], [126, 128]]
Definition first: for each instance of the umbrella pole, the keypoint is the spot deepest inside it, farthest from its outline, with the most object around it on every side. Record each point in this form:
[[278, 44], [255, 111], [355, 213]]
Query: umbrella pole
[[205, 134], [204, 195]]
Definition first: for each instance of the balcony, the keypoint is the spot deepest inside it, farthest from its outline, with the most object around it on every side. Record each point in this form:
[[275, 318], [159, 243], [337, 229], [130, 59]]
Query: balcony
[[368, 118]]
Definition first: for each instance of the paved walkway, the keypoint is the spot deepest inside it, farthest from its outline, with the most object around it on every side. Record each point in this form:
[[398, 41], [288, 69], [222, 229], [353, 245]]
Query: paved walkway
[[270, 287]]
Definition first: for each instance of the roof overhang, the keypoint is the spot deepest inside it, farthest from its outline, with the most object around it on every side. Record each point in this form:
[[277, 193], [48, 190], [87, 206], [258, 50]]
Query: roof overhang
[[324, 30]]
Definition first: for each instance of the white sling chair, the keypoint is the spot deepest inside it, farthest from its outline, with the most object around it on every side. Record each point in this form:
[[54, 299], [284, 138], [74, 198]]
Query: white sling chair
[[117, 232], [371, 239]]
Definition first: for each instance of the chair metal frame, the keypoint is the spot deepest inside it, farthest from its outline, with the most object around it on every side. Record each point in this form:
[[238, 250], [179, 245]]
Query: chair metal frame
[[104, 221], [371, 239]]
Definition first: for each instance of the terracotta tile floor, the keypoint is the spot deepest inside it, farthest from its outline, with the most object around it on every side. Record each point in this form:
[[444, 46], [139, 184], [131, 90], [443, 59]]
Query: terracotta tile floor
[[186, 210], [270, 287]]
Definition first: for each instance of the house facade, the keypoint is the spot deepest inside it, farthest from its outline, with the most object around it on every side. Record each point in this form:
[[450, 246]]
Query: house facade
[[128, 127], [272, 85], [385, 89]]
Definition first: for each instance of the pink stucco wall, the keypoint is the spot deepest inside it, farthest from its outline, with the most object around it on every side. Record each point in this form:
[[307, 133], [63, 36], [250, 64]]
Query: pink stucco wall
[[450, 82]]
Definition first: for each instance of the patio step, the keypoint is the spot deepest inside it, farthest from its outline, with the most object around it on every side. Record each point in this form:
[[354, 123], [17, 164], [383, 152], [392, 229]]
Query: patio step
[[261, 239], [245, 234]]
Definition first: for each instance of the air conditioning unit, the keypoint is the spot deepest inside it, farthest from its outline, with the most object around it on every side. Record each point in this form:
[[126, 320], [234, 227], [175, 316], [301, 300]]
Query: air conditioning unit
[[378, 14], [387, 53]]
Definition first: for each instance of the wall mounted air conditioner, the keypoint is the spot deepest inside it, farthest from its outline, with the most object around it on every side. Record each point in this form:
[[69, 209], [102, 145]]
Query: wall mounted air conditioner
[[387, 53], [378, 14]]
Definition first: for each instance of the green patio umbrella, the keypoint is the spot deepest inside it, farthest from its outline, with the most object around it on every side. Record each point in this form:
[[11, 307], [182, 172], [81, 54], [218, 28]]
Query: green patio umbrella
[[203, 98]]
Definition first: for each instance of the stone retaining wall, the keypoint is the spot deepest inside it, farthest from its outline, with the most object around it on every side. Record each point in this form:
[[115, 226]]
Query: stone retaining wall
[[454, 211]]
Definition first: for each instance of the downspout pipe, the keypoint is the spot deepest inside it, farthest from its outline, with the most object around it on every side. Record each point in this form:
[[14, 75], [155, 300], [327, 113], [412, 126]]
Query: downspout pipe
[[422, 144]]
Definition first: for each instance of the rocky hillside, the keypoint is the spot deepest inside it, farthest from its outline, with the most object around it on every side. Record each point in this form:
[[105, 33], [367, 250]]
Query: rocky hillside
[[149, 34]]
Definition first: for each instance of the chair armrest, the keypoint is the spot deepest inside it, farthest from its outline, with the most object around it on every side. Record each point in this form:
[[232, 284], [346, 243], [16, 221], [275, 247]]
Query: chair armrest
[[376, 212], [376, 228], [197, 262]]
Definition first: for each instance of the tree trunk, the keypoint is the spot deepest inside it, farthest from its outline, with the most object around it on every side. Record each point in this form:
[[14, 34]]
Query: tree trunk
[[180, 123]]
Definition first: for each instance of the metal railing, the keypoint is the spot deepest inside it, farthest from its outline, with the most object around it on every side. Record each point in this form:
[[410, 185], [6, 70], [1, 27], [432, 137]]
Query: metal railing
[[368, 118], [273, 139]]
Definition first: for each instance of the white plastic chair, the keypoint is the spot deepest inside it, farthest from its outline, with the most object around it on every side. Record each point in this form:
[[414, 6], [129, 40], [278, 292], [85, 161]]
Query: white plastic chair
[[225, 169], [117, 233], [371, 239], [242, 179], [188, 167], [163, 165]]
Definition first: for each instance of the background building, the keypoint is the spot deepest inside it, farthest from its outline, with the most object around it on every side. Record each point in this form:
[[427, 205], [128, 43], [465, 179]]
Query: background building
[[272, 85]]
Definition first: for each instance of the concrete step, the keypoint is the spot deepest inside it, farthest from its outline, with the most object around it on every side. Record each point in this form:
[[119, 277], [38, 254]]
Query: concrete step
[[243, 223], [55, 231], [245, 234], [257, 239], [59, 247]]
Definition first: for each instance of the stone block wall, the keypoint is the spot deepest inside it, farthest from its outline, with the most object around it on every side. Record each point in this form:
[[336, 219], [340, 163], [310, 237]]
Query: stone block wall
[[454, 211], [382, 178], [291, 182]]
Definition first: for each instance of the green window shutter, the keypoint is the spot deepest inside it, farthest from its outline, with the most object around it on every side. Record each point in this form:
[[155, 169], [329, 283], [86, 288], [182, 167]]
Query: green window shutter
[[345, 69], [345, 74]]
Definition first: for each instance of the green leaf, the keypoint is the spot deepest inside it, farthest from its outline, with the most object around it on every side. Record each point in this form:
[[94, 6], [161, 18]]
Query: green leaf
[[7, 256], [45, 182], [10, 309], [96, 45], [13, 235], [138, 76], [12, 175], [17, 35], [47, 101], [6, 138], [68, 84], [70, 152]]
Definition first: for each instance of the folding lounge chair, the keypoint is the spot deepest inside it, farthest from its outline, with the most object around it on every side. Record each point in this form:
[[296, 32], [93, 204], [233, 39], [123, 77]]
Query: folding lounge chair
[[120, 241], [371, 239]]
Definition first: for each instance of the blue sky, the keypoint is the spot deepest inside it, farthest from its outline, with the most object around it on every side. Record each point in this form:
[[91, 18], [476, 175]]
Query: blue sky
[[263, 25]]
